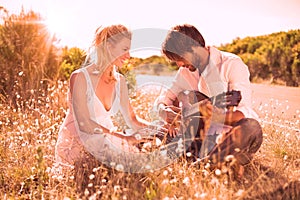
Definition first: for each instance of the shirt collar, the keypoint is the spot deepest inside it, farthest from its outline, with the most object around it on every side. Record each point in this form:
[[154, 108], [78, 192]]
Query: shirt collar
[[215, 59]]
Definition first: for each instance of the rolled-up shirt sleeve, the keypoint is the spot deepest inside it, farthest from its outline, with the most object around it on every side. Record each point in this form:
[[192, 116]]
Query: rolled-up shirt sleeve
[[239, 75]]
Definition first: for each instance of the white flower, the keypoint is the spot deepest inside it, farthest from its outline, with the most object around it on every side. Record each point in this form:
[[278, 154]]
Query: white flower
[[120, 167], [165, 173], [218, 172], [186, 181], [92, 176], [158, 142]]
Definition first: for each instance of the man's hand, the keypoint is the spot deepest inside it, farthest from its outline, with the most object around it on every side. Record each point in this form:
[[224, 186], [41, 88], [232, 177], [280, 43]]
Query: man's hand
[[206, 110], [171, 115]]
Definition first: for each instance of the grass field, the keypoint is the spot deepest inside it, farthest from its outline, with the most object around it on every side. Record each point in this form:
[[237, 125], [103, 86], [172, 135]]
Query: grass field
[[29, 133]]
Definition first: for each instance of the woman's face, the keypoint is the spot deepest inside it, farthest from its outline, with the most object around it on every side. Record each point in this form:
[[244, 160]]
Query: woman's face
[[120, 51]]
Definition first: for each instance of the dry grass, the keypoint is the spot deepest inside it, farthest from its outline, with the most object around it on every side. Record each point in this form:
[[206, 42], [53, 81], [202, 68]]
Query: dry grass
[[27, 170]]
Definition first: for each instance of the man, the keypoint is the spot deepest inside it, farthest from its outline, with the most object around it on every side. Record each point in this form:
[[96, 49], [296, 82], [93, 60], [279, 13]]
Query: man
[[211, 72]]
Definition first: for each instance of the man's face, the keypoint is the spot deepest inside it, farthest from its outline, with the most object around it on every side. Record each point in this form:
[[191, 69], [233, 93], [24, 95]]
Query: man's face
[[193, 60], [190, 60]]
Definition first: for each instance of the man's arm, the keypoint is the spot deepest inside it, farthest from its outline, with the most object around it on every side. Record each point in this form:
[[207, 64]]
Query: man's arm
[[238, 77]]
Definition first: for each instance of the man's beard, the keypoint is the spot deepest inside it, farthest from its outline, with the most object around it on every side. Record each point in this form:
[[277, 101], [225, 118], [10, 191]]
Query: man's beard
[[195, 65]]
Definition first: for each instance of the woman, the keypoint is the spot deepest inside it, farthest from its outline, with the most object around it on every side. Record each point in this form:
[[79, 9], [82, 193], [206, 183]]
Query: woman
[[97, 91]]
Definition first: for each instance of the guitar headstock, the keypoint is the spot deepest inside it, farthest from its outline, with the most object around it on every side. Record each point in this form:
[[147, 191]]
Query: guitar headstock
[[227, 99]]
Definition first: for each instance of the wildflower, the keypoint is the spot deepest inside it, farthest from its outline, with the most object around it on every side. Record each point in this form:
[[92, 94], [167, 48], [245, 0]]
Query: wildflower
[[148, 167], [86, 192], [207, 166], [218, 172], [239, 192], [104, 180], [229, 158], [117, 188], [219, 139], [174, 180], [205, 173], [96, 169], [188, 154], [120, 167], [165, 182], [158, 142], [112, 164], [92, 176], [202, 195], [186, 181], [165, 173]]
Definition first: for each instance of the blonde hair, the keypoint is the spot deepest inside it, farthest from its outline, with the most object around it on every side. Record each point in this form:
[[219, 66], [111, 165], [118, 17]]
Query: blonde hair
[[104, 36]]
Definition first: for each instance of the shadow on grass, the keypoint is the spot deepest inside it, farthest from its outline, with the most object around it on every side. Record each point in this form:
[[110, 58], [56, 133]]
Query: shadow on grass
[[262, 182]]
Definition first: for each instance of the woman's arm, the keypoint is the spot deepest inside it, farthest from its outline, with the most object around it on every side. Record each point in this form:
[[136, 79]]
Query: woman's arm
[[78, 89]]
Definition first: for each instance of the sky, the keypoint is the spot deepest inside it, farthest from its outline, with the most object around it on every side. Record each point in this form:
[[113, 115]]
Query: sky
[[219, 21]]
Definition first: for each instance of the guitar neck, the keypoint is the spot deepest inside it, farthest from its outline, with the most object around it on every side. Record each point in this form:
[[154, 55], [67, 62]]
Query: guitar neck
[[223, 100]]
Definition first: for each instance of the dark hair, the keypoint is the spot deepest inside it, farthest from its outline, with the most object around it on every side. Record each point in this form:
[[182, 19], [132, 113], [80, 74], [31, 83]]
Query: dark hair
[[180, 40]]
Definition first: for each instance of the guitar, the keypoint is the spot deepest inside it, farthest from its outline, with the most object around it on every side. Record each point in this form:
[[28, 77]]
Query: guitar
[[192, 126], [193, 99], [224, 100]]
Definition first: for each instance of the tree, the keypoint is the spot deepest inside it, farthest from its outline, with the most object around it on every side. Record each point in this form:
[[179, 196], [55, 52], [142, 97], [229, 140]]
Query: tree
[[72, 59], [28, 56], [274, 56]]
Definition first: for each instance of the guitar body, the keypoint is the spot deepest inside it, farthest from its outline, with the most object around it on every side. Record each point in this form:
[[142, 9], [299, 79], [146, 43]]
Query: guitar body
[[191, 123], [194, 123]]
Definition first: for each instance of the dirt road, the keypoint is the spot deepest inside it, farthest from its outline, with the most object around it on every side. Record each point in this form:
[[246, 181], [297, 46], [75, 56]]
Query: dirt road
[[280, 100]]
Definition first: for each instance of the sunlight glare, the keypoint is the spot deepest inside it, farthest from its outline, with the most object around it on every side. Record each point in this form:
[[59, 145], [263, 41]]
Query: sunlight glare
[[56, 23]]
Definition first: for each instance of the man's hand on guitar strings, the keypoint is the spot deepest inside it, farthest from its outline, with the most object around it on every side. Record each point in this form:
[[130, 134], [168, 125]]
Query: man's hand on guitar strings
[[206, 109]]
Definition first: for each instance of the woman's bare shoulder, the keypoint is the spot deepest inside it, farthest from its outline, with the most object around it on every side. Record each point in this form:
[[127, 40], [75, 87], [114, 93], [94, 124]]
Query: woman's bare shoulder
[[77, 77]]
